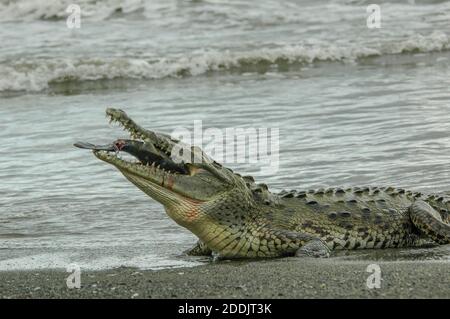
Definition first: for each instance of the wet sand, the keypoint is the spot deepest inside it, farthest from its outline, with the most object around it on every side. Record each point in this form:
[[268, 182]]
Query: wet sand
[[281, 278]]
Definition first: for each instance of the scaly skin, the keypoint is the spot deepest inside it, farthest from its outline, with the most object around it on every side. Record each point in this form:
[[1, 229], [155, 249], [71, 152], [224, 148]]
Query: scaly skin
[[236, 218]]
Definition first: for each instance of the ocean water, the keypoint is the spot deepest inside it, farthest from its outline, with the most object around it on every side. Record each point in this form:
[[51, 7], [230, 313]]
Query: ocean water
[[354, 106]]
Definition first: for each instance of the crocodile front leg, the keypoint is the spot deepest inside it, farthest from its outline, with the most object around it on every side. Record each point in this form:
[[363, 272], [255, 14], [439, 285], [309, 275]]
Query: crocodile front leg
[[429, 222], [199, 249], [264, 240]]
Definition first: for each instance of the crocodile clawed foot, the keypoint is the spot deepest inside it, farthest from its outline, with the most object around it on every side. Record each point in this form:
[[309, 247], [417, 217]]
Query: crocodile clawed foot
[[200, 249], [314, 248]]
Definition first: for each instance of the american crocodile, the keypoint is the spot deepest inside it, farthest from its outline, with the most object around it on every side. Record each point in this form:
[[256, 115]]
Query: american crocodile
[[234, 217]]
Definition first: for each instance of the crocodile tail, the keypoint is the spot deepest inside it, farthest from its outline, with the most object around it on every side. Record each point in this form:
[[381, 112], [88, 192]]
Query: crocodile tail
[[430, 222]]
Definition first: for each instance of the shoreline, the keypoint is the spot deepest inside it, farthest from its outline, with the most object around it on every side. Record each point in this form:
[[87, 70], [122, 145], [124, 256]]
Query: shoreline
[[279, 278]]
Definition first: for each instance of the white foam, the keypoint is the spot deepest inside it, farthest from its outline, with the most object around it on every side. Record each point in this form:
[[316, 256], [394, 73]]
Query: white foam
[[436, 41], [60, 260], [37, 75], [28, 10]]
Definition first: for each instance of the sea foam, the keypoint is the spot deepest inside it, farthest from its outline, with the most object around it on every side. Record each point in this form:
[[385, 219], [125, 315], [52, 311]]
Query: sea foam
[[38, 74]]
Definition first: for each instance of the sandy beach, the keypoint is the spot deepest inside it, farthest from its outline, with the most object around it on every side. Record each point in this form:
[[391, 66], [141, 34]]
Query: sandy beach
[[282, 278]]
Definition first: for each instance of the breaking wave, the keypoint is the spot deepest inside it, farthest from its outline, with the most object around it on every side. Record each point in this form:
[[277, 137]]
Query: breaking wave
[[28, 10], [39, 74]]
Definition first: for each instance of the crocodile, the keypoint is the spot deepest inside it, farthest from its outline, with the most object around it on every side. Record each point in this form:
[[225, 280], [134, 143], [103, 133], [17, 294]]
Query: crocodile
[[235, 217]]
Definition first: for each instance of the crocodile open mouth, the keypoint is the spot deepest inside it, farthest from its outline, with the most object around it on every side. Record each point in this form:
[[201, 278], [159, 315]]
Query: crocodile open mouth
[[142, 158], [173, 173]]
